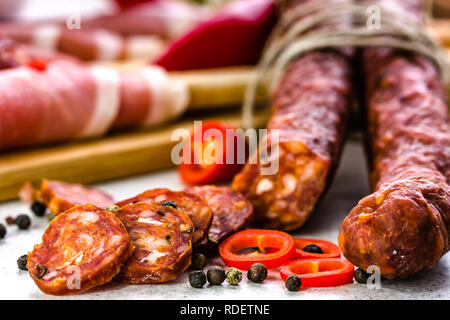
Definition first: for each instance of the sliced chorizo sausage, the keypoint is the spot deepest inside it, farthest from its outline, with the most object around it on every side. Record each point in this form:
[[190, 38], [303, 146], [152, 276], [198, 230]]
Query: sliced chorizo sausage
[[59, 196], [82, 247], [193, 205], [231, 213], [162, 238]]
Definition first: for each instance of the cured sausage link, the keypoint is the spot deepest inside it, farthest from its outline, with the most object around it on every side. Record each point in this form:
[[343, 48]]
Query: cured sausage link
[[310, 110], [403, 226]]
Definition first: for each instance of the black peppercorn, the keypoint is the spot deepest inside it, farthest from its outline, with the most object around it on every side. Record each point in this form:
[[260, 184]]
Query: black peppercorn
[[38, 208], [40, 271], [22, 262], [197, 279], [234, 276], [2, 231], [216, 275], [293, 283], [257, 272], [361, 276], [169, 204], [22, 221], [312, 248], [198, 261]]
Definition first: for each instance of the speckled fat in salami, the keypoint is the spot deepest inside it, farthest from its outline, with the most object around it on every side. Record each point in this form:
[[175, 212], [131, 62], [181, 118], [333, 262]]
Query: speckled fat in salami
[[162, 238], [82, 248], [193, 205], [231, 213], [59, 196]]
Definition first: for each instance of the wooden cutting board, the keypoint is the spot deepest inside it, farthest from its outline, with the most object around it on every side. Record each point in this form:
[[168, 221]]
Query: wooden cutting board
[[110, 157]]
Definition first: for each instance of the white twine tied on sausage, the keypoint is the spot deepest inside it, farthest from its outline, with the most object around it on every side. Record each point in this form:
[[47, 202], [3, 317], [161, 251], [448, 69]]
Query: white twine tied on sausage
[[288, 41]]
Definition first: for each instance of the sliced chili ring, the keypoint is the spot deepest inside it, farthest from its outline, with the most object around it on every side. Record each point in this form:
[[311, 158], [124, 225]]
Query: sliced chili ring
[[269, 247], [330, 250], [330, 272]]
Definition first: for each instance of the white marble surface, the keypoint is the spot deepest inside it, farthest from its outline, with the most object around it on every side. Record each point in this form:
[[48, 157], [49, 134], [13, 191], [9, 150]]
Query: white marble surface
[[349, 186]]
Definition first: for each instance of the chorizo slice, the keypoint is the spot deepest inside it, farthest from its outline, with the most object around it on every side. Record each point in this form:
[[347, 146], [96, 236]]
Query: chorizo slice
[[162, 237], [193, 205], [59, 196], [231, 213], [82, 247]]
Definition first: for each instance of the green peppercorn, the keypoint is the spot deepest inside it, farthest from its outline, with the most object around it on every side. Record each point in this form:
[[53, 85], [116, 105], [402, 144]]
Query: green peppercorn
[[234, 276], [40, 271], [22, 262], [216, 275], [293, 283], [257, 272], [198, 261], [2, 231], [22, 221], [38, 208], [312, 248], [113, 208], [51, 216], [169, 203], [361, 276], [197, 279]]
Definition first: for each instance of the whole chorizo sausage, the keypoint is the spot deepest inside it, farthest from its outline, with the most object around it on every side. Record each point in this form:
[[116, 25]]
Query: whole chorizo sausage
[[310, 110], [403, 227]]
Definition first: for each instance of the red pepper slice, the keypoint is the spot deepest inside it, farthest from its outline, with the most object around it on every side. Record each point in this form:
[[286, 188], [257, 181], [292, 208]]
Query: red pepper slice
[[330, 272], [211, 155], [38, 64], [235, 35], [330, 250], [269, 247]]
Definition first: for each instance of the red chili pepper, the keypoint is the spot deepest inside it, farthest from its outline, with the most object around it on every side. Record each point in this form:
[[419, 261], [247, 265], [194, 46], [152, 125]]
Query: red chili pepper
[[269, 247], [330, 250], [234, 36], [319, 272], [125, 4], [208, 161], [38, 64]]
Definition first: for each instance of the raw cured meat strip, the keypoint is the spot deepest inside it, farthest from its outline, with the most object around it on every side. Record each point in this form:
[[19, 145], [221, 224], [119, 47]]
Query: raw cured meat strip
[[69, 100], [310, 110], [82, 248], [403, 227]]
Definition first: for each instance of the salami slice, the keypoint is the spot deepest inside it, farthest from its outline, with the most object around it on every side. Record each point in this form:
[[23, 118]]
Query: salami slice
[[59, 196], [193, 205], [162, 237], [82, 248], [231, 213]]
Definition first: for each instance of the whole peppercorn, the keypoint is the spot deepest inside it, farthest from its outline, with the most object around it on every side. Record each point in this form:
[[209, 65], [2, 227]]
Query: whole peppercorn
[[38, 208], [361, 276], [312, 248], [198, 261], [257, 272], [40, 271], [234, 276], [293, 283], [169, 203], [197, 279], [2, 231], [22, 262], [22, 221], [216, 275]]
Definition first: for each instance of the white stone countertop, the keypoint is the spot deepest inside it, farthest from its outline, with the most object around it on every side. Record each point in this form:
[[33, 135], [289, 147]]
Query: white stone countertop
[[349, 186]]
